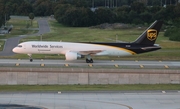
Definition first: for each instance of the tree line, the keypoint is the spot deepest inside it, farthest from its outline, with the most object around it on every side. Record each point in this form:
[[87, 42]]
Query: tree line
[[81, 13], [137, 13]]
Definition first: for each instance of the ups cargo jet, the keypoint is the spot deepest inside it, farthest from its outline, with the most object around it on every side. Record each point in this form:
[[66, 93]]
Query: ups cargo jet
[[73, 51]]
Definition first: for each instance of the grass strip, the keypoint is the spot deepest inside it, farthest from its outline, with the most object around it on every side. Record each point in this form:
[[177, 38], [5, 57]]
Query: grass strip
[[130, 87], [2, 44], [20, 27]]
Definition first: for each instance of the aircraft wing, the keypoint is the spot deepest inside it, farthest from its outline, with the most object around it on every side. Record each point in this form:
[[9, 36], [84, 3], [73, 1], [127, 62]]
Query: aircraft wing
[[90, 52]]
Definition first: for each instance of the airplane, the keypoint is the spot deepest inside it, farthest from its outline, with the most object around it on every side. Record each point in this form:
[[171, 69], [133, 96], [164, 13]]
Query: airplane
[[74, 50]]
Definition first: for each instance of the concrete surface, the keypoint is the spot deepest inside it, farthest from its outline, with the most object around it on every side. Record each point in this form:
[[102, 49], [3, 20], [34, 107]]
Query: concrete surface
[[94, 100], [96, 64]]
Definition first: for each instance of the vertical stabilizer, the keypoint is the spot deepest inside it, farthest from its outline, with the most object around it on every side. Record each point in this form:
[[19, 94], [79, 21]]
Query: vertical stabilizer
[[149, 36]]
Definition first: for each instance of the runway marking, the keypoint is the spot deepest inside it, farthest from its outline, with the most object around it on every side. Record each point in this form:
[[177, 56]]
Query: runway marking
[[17, 64], [81, 63], [166, 66], [67, 65], [129, 107], [90, 65], [116, 65], [42, 65], [163, 91], [141, 66]]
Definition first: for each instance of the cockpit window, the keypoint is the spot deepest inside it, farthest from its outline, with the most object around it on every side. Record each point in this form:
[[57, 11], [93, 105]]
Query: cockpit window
[[19, 46]]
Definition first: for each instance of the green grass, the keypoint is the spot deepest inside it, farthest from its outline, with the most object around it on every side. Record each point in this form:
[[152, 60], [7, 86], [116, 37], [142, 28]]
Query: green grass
[[45, 88], [20, 27], [2, 44], [81, 34], [170, 49]]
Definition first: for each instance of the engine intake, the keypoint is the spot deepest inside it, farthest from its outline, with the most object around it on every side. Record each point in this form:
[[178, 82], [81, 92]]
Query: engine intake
[[70, 56]]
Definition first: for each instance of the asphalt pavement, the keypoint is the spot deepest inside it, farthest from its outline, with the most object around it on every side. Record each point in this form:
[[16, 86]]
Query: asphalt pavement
[[92, 100], [14, 41], [96, 64]]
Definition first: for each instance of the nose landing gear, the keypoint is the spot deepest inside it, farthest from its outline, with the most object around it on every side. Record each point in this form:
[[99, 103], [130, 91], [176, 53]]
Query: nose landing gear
[[30, 57]]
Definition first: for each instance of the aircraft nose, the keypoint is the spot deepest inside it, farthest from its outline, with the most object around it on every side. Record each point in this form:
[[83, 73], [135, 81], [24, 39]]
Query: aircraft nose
[[14, 50]]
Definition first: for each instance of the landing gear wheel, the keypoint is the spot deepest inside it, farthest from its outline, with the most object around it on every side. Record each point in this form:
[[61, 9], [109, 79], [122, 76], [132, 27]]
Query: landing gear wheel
[[89, 61], [31, 60]]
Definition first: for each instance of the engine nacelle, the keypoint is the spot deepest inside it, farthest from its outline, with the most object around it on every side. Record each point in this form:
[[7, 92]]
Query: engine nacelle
[[70, 56]]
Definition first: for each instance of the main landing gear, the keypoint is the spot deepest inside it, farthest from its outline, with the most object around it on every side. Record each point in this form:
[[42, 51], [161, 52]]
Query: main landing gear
[[89, 59], [30, 57]]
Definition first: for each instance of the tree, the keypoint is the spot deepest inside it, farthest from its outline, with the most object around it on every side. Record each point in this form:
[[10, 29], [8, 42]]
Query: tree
[[31, 16], [80, 3], [1, 19], [134, 17], [173, 31], [177, 12], [4, 12], [77, 17], [104, 15], [24, 9], [160, 15], [43, 7], [138, 7], [60, 10], [146, 17]]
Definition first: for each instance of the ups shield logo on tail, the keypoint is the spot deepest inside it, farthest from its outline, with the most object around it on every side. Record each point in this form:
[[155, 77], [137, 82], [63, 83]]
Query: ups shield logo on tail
[[152, 34]]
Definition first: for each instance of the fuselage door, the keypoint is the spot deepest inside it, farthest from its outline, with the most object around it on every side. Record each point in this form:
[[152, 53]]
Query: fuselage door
[[24, 46]]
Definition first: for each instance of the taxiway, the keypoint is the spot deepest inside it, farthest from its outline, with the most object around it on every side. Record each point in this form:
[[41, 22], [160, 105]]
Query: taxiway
[[93, 100], [82, 63]]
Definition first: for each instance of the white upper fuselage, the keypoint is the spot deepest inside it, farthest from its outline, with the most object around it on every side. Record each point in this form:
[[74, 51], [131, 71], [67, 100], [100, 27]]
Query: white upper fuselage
[[44, 47]]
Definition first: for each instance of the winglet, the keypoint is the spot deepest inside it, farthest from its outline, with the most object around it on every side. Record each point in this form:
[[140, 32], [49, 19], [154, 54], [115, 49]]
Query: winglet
[[149, 36]]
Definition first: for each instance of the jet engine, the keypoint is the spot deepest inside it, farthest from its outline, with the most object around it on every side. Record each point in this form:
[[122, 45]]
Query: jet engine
[[70, 56]]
